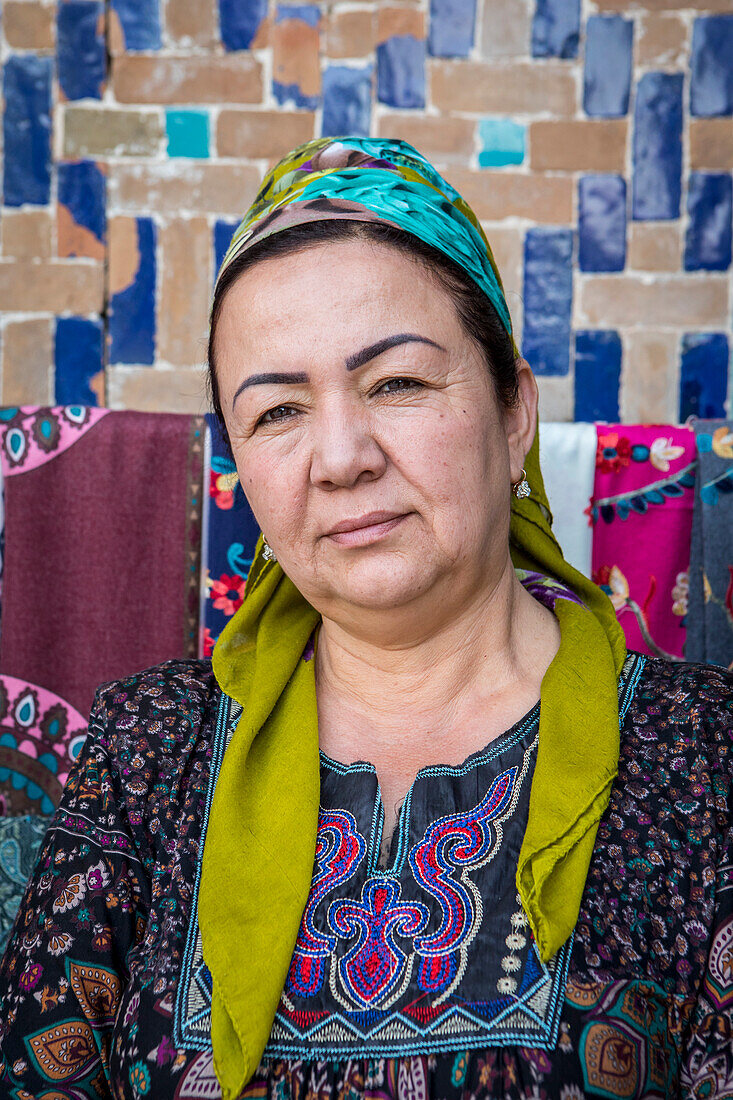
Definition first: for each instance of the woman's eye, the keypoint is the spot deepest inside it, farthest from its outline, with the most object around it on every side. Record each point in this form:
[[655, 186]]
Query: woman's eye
[[280, 412], [398, 385]]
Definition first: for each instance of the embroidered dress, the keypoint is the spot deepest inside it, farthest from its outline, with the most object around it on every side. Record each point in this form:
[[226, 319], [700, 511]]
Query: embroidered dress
[[419, 978]]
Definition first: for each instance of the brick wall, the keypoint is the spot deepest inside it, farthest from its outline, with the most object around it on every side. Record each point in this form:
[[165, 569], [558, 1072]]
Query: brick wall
[[594, 140]]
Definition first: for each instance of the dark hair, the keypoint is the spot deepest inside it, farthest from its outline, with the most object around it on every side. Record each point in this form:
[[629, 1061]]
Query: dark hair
[[477, 314]]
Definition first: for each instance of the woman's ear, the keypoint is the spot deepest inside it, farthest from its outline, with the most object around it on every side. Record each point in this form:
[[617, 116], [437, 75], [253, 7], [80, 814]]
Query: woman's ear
[[521, 419]]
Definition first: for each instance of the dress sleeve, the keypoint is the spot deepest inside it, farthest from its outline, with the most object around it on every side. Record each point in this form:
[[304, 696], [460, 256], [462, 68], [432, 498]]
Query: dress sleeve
[[82, 914]]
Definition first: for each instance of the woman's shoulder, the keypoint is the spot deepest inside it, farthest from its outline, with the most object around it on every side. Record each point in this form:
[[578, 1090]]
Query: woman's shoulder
[[163, 705], [680, 716]]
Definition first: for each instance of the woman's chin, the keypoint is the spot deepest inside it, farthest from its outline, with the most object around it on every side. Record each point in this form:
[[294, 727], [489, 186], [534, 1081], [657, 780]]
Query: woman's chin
[[378, 583]]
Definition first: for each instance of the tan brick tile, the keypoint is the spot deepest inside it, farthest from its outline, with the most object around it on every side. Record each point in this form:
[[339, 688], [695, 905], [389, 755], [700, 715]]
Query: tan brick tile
[[507, 245], [227, 78], [27, 348], [519, 88], [711, 143], [440, 138], [597, 145], [505, 28], [350, 33], [497, 195], [27, 234], [654, 246], [663, 5], [73, 239], [101, 132], [649, 376], [123, 254], [556, 400], [295, 55], [627, 300], [191, 24], [151, 389], [268, 134], [164, 188], [393, 21], [28, 25], [662, 41], [56, 286], [185, 291]]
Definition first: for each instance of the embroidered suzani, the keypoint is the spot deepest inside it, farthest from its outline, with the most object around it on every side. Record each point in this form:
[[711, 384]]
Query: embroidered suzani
[[409, 958]]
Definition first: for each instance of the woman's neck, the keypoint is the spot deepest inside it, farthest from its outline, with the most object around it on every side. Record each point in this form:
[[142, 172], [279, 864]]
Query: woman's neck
[[440, 696]]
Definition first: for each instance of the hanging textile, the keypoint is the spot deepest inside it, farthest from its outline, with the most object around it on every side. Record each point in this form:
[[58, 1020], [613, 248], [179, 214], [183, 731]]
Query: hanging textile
[[567, 456], [642, 523], [710, 626], [230, 538], [101, 579]]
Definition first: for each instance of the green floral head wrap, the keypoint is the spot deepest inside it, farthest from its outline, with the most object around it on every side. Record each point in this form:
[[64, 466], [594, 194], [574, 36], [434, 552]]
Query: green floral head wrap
[[260, 841]]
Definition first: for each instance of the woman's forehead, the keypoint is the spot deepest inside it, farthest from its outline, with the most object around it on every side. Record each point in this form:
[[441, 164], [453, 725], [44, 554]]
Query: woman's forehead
[[332, 288]]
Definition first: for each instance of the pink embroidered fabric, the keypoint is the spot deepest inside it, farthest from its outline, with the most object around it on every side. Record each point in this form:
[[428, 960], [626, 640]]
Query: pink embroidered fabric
[[641, 513]]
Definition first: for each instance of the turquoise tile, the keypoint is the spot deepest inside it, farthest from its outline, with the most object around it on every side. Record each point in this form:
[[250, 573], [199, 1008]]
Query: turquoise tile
[[188, 133], [502, 142]]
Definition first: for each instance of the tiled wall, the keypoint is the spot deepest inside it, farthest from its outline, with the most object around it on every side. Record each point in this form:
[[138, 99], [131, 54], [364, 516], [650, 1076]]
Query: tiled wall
[[594, 140]]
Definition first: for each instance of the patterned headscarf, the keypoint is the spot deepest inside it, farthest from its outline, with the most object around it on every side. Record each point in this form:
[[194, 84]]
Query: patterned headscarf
[[261, 836]]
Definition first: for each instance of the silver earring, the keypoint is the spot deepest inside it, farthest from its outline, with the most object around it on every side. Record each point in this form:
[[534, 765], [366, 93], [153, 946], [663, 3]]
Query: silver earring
[[522, 489], [267, 552]]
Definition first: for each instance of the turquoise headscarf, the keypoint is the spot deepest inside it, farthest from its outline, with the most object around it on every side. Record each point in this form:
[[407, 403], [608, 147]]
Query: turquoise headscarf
[[260, 843]]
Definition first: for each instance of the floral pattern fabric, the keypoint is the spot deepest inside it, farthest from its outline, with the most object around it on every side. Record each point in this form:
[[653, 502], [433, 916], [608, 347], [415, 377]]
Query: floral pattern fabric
[[89, 981], [230, 537], [710, 626], [641, 513]]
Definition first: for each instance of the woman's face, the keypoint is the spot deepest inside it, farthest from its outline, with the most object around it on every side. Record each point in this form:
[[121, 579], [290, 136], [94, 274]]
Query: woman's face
[[365, 429]]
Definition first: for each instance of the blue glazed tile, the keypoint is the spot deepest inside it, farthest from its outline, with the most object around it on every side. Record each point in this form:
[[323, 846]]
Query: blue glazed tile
[[711, 74], [597, 376], [82, 190], [291, 92], [607, 73], [710, 206], [601, 223], [556, 28], [132, 309], [140, 22], [188, 133], [401, 71], [78, 359], [27, 130], [239, 21], [452, 24], [548, 295], [657, 147], [81, 53], [347, 99], [502, 142], [223, 233], [703, 375]]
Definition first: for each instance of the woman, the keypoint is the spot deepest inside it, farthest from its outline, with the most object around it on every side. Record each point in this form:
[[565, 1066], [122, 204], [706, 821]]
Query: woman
[[390, 842]]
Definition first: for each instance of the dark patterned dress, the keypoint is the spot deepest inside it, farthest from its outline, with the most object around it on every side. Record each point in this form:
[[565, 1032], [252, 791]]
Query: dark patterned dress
[[412, 978]]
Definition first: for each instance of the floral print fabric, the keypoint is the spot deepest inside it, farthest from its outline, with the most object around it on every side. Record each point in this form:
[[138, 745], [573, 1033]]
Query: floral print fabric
[[641, 513], [89, 981], [710, 620]]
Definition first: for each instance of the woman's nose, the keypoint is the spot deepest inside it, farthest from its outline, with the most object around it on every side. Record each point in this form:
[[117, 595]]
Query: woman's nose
[[344, 448]]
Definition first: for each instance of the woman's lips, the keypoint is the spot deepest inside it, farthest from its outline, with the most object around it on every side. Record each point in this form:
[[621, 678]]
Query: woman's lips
[[365, 529]]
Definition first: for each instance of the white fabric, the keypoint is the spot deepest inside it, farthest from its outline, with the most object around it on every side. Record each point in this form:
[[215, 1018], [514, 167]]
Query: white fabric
[[568, 459]]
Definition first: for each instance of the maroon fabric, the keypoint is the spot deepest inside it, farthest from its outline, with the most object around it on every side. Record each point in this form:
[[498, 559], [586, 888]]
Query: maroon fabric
[[102, 545]]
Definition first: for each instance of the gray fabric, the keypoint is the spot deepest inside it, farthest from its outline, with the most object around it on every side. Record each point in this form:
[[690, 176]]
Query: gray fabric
[[710, 613]]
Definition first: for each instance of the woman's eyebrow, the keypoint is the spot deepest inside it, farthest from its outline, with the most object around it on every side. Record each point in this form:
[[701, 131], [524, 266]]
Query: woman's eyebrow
[[373, 350], [273, 378]]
